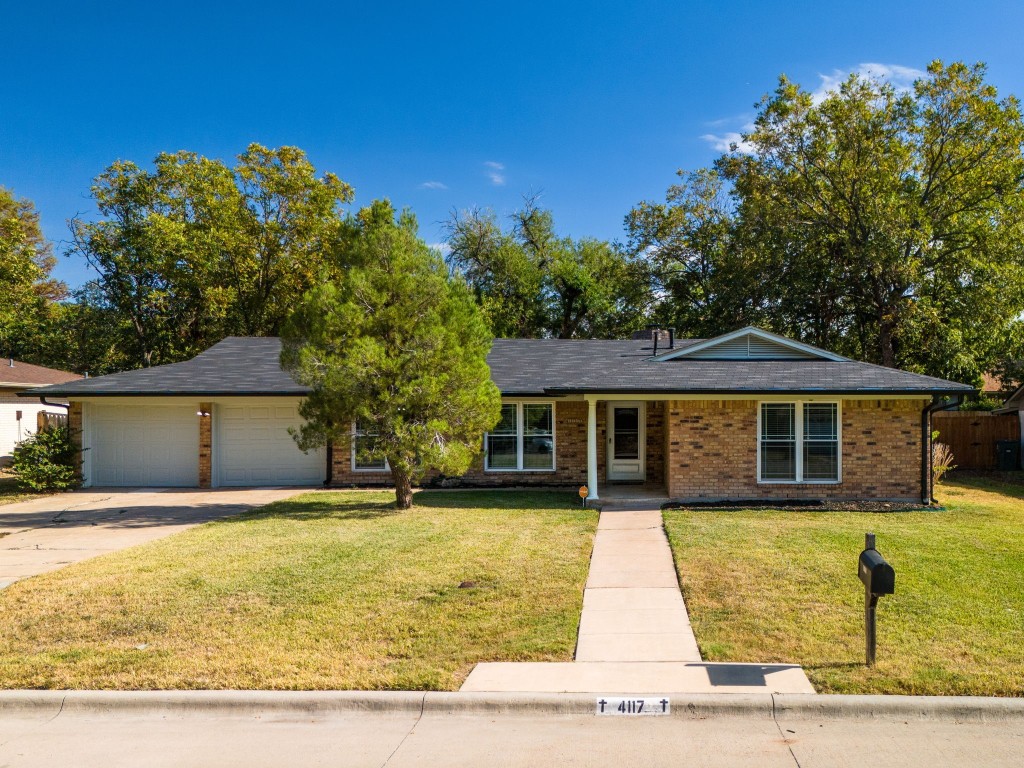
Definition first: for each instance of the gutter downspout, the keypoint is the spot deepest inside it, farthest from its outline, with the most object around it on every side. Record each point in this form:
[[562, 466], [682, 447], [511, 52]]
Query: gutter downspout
[[926, 443], [53, 405]]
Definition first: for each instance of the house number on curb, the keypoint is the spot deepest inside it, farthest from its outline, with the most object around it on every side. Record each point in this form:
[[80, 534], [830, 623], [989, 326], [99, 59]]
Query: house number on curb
[[617, 705]]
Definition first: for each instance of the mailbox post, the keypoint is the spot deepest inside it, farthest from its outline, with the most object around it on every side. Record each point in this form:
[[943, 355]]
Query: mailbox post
[[879, 579]]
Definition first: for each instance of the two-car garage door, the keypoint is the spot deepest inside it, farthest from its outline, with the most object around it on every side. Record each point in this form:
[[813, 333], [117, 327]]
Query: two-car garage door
[[158, 445]]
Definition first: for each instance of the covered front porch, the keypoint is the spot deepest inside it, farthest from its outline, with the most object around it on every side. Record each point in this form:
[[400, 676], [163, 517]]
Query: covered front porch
[[626, 448]]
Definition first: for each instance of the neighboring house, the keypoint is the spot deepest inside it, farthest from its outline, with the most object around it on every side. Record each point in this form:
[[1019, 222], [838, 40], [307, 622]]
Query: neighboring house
[[991, 386], [18, 417], [747, 415]]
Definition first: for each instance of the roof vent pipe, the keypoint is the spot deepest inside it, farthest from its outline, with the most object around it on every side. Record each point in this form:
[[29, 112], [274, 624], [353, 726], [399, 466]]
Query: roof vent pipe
[[655, 337], [671, 338], [11, 363]]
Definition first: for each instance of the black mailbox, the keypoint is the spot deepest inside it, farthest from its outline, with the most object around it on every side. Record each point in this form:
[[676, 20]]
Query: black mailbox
[[878, 576]]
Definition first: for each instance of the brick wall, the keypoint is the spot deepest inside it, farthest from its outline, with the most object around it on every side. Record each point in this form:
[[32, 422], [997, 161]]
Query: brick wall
[[75, 428], [205, 445], [656, 442], [712, 452], [570, 459], [570, 454]]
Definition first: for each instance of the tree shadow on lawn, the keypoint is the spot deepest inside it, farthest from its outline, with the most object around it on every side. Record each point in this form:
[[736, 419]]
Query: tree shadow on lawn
[[338, 505], [492, 499], [319, 506]]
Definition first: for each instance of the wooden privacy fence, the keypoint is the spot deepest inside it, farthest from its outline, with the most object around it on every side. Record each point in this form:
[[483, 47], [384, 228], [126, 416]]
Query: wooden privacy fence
[[46, 420], [972, 435]]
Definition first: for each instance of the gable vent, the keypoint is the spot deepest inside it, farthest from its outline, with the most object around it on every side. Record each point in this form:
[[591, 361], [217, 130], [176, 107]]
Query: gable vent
[[750, 347]]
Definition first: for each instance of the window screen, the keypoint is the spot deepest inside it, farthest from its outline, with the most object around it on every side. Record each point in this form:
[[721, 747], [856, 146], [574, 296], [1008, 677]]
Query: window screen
[[778, 441]]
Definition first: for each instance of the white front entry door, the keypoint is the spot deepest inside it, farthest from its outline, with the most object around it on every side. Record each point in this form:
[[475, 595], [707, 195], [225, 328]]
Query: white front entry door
[[627, 441]]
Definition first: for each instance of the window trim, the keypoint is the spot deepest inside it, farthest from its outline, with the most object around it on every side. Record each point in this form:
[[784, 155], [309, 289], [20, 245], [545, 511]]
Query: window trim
[[378, 470], [798, 427], [520, 439]]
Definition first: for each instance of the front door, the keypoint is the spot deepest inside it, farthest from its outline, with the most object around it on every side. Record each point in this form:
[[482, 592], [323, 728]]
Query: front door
[[626, 441]]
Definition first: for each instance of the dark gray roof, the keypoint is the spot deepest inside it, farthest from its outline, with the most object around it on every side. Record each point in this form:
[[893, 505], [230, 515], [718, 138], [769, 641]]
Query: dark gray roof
[[238, 365], [249, 366], [558, 366]]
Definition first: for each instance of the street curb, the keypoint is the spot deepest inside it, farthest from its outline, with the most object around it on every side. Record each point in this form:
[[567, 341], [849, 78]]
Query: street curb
[[976, 709], [690, 706]]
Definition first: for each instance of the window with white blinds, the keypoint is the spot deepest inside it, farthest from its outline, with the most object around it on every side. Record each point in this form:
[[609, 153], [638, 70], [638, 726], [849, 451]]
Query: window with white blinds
[[798, 442]]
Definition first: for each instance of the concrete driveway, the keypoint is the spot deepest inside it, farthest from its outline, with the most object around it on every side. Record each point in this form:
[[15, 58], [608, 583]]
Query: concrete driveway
[[45, 534]]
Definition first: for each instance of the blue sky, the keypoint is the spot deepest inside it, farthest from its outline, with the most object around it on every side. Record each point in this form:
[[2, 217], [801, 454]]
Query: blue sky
[[442, 106]]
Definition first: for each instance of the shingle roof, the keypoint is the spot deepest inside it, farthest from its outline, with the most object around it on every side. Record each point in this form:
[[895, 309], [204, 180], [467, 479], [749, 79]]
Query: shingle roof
[[249, 366], [238, 365], [14, 373], [556, 366]]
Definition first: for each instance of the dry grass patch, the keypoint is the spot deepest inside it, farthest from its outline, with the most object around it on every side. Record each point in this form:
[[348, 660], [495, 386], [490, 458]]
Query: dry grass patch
[[9, 490], [783, 587], [324, 591]]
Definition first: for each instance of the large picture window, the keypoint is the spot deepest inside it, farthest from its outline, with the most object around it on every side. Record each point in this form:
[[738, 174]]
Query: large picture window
[[798, 442], [524, 439], [363, 444]]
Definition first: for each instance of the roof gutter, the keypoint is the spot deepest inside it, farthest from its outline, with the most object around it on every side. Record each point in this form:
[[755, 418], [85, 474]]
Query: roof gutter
[[935, 405], [716, 393], [165, 393]]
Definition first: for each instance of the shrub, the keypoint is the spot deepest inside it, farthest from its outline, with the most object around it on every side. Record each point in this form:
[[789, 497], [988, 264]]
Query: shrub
[[942, 461], [982, 403], [45, 461]]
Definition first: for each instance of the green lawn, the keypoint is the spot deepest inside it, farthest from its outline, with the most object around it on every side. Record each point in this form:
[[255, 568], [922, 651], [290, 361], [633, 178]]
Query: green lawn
[[326, 591], [783, 587]]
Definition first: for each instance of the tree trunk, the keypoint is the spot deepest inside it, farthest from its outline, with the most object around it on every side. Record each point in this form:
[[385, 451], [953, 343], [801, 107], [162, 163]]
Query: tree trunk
[[403, 488], [886, 343]]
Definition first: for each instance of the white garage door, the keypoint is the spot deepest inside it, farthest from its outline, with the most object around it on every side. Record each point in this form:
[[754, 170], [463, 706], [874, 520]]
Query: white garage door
[[254, 447], [148, 445]]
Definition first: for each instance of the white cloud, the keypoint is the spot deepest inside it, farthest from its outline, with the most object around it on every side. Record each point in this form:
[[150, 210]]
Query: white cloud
[[722, 142], [443, 248], [495, 172], [900, 77], [433, 185]]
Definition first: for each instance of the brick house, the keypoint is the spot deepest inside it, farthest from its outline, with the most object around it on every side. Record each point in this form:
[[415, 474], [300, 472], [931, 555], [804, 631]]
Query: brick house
[[746, 415]]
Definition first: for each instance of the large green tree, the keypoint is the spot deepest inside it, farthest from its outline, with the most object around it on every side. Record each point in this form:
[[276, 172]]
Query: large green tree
[[883, 224], [531, 282], [27, 291], [396, 344], [194, 250], [702, 277]]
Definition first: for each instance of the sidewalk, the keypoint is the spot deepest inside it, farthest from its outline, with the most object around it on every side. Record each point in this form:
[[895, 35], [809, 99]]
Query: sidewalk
[[634, 632]]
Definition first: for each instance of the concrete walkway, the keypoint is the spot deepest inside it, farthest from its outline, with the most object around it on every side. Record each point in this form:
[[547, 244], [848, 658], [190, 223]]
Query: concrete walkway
[[633, 610], [48, 533], [634, 633]]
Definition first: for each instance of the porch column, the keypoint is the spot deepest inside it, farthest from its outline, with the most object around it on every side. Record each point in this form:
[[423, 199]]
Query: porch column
[[592, 449]]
